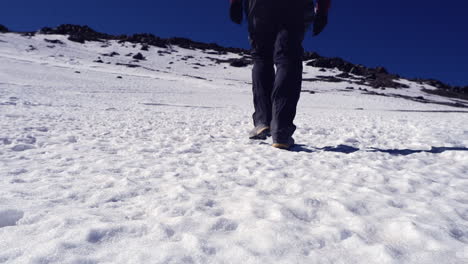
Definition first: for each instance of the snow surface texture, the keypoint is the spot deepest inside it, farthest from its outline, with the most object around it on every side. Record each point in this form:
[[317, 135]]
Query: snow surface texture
[[102, 163]]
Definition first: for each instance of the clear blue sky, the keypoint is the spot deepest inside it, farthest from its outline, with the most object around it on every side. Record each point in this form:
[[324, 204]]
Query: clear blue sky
[[415, 38]]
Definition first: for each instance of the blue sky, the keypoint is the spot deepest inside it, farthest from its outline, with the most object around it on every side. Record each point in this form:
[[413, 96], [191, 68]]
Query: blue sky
[[414, 38]]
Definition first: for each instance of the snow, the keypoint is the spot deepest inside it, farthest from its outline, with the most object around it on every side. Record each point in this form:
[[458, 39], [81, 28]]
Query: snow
[[156, 167]]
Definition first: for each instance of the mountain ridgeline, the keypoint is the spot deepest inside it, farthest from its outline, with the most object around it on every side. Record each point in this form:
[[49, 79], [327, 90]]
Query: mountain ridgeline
[[378, 77]]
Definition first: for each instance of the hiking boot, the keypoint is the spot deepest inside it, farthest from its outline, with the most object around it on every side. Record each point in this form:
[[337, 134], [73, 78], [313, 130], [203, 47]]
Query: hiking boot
[[284, 145], [260, 132]]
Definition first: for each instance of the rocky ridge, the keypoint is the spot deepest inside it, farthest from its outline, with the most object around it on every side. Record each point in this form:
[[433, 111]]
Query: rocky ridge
[[378, 77], [3, 29]]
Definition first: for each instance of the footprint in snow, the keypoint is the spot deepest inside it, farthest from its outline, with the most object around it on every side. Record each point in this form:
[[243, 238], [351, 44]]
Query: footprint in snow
[[302, 215], [345, 234], [5, 141], [209, 207], [27, 140], [463, 214], [10, 217], [22, 147], [208, 250], [358, 208], [396, 204], [41, 129], [224, 225], [18, 172], [103, 234], [311, 202]]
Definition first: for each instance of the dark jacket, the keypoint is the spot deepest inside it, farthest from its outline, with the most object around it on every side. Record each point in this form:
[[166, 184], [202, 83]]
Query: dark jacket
[[252, 8]]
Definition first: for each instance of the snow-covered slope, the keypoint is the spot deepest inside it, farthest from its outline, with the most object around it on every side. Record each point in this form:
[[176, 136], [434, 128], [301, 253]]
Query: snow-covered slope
[[147, 161]]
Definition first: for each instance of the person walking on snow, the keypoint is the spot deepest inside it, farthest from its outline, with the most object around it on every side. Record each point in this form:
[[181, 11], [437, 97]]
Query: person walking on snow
[[276, 31]]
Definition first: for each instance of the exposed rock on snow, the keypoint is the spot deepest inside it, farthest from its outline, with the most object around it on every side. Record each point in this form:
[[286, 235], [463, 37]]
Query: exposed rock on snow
[[139, 56], [112, 54], [76, 33], [377, 77], [3, 29], [54, 41]]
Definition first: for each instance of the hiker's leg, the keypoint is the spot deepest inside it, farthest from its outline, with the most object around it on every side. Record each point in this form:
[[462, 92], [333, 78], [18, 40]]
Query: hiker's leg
[[287, 86]]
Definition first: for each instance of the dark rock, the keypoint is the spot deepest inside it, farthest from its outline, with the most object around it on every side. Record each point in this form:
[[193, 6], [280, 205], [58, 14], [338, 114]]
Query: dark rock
[[3, 29], [437, 84], [77, 72], [308, 91], [119, 77], [112, 54], [311, 56], [128, 65], [28, 34], [330, 63], [148, 39], [384, 81], [377, 77], [98, 61], [139, 56], [444, 89], [152, 40], [319, 78], [371, 77], [419, 99], [322, 70], [381, 70], [195, 77], [343, 75], [359, 70], [213, 52], [447, 93], [350, 88], [76, 33], [54, 41], [77, 38], [239, 63]]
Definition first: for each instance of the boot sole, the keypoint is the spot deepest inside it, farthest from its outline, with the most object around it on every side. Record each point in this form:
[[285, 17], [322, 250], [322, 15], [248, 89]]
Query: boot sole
[[263, 134], [281, 146]]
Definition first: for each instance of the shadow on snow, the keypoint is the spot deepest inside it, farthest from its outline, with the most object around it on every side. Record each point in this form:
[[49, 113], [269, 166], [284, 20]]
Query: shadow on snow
[[397, 152]]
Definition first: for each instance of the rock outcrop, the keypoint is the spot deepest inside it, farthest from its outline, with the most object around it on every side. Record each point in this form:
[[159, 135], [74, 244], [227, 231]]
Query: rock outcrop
[[77, 33], [3, 29], [377, 77]]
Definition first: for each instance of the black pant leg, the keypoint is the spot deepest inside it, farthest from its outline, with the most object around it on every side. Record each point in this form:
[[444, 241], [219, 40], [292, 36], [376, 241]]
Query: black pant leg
[[263, 76], [287, 87]]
